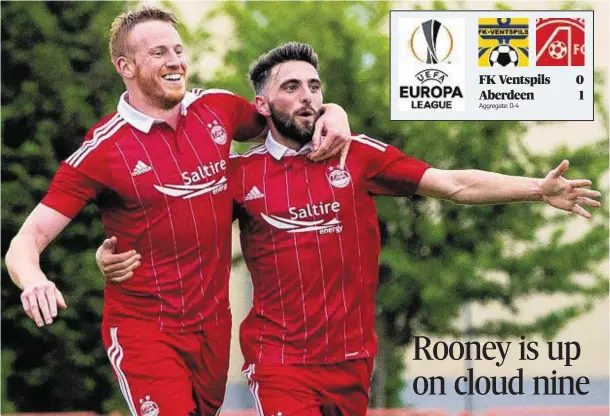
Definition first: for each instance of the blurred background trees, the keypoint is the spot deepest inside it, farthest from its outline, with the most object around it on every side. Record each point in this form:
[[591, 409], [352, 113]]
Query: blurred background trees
[[437, 257], [57, 81]]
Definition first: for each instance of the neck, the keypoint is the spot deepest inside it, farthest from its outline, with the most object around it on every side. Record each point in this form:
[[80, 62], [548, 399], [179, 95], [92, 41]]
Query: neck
[[286, 141], [146, 106]]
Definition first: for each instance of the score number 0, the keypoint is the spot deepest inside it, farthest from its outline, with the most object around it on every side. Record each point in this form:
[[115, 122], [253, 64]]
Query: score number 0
[[579, 80]]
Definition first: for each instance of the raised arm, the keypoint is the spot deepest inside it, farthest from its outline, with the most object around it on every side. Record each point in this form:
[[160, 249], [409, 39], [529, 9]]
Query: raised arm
[[477, 187], [40, 298]]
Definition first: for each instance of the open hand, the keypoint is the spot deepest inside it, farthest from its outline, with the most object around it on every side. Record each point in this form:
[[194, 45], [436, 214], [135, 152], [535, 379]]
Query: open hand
[[568, 194]]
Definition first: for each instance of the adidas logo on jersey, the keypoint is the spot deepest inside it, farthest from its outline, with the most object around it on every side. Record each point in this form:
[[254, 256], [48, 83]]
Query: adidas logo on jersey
[[140, 168], [254, 194]]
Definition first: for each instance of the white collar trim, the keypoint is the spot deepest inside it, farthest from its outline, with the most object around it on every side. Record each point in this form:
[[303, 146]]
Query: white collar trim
[[142, 121], [278, 150]]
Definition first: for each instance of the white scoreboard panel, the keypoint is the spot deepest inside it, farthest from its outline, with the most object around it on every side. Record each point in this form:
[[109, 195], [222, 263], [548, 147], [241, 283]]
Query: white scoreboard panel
[[491, 65]]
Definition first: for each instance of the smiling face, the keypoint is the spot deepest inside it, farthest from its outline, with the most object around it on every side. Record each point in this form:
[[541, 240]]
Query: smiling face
[[292, 99], [156, 66]]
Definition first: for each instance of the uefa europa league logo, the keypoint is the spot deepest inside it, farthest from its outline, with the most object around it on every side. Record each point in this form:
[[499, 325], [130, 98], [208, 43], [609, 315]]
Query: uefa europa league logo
[[431, 28], [433, 41]]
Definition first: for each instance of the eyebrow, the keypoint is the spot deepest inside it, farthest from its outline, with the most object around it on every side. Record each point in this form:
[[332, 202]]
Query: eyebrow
[[309, 81], [164, 47]]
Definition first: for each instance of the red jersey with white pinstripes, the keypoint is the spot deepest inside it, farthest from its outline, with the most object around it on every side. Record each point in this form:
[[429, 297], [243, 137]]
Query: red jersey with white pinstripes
[[310, 239], [165, 194]]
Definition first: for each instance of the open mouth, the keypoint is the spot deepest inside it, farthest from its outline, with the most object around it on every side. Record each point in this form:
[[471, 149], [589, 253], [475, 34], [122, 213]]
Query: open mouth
[[305, 113], [173, 77]]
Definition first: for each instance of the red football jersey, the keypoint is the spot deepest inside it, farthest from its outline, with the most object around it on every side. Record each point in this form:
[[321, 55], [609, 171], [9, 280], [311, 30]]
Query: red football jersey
[[165, 194], [310, 239]]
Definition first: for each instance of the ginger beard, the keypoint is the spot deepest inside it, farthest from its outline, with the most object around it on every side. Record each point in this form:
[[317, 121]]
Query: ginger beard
[[292, 128], [163, 93]]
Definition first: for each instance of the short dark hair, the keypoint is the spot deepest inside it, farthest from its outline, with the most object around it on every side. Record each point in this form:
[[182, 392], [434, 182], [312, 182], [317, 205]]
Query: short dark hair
[[292, 51]]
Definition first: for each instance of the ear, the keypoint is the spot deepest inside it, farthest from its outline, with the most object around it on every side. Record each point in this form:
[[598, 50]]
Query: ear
[[126, 67], [262, 106]]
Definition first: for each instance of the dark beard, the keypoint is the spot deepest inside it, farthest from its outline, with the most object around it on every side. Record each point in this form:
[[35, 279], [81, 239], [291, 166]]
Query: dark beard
[[288, 127]]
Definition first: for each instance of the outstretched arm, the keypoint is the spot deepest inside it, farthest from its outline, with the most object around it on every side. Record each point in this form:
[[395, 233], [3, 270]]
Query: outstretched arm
[[477, 187], [40, 298]]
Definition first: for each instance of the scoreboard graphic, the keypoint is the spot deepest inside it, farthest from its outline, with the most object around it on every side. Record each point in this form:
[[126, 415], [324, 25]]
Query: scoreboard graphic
[[491, 65]]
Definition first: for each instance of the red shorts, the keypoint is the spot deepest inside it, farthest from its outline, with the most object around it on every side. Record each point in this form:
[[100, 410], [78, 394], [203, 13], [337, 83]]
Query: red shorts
[[310, 390], [172, 373]]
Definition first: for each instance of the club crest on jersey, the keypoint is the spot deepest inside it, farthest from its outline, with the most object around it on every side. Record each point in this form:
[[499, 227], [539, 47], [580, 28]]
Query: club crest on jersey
[[338, 178], [217, 132], [148, 407]]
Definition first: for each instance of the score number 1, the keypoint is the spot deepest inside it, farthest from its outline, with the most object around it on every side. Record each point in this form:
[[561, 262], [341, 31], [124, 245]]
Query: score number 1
[[579, 80]]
